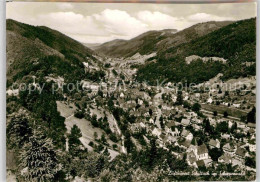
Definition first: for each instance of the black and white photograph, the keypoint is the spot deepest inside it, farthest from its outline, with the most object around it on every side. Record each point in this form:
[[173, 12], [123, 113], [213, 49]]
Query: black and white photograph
[[130, 92]]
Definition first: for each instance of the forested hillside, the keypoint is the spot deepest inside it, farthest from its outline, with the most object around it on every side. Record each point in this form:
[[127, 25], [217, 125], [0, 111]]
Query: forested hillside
[[40, 51], [236, 43], [154, 41]]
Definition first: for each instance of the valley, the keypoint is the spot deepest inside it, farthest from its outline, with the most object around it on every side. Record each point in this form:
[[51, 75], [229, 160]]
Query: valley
[[160, 103]]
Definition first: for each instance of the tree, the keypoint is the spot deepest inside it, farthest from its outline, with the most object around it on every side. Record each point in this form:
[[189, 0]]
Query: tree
[[215, 113], [110, 103], [94, 164], [79, 114], [225, 114], [107, 154], [95, 135], [222, 127], [103, 139], [251, 116], [150, 112], [18, 131], [153, 153], [179, 98], [233, 127], [38, 159], [74, 141], [226, 93], [100, 93], [215, 153], [186, 104], [207, 127], [161, 122], [94, 121], [196, 107], [194, 141], [251, 162]]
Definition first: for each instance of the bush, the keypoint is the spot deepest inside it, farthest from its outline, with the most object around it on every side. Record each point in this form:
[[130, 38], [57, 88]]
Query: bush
[[196, 107], [79, 114], [225, 114]]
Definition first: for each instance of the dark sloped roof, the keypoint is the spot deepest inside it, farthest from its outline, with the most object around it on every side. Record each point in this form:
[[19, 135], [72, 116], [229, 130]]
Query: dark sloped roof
[[200, 163], [202, 149], [226, 157], [241, 152]]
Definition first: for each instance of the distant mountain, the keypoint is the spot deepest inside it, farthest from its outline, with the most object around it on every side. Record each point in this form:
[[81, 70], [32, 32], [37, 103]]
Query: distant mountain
[[156, 41], [235, 43], [28, 45], [92, 46], [144, 44]]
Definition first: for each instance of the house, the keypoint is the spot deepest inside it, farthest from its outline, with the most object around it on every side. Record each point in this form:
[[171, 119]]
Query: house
[[171, 139], [142, 125], [212, 122], [214, 143], [225, 136], [135, 127], [197, 95], [210, 100], [186, 98], [252, 147], [229, 148], [240, 153], [176, 132], [131, 103], [169, 125], [122, 95], [236, 105], [184, 144], [190, 114], [196, 127], [196, 120], [241, 125], [187, 135], [13, 92], [185, 122], [230, 124], [178, 117], [157, 132], [193, 148], [200, 163], [236, 162], [191, 159], [225, 158], [208, 162], [140, 101], [202, 152], [151, 121]]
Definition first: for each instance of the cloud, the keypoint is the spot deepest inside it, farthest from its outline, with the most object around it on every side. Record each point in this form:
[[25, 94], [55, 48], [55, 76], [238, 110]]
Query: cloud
[[203, 17], [65, 6], [120, 22], [107, 24], [104, 26], [157, 20], [71, 23]]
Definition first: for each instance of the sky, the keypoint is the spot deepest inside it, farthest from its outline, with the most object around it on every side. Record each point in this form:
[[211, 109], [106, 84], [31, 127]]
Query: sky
[[102, 22]]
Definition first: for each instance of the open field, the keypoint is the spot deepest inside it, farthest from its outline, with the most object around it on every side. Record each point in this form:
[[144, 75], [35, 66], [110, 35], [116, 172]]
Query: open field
[[221, 109]]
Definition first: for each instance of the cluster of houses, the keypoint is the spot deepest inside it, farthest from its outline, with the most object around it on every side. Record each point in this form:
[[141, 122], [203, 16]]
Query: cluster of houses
[[159, 117], [234, 150]]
